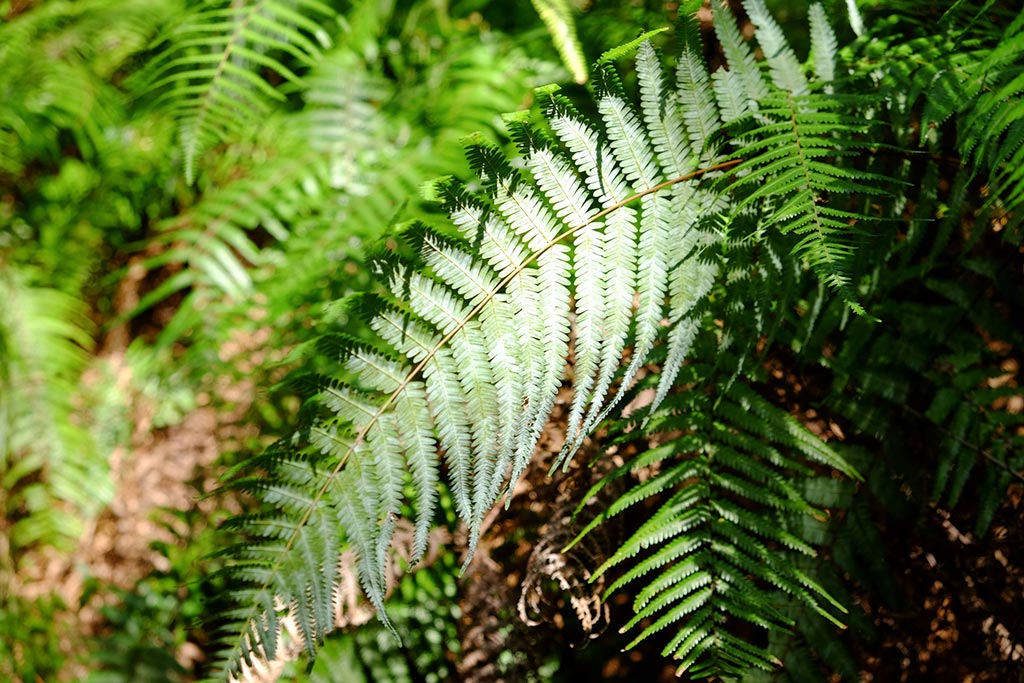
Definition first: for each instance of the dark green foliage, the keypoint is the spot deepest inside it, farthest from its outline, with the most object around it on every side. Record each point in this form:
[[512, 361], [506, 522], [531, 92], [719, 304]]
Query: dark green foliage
[[28, 648]]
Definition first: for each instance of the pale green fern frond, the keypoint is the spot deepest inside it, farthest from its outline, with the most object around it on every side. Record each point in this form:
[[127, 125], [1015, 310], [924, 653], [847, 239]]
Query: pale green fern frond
[[787, 72], [316, 164], [45, 455], [824, 46], [211, 243], [558, 16], [747, 85]]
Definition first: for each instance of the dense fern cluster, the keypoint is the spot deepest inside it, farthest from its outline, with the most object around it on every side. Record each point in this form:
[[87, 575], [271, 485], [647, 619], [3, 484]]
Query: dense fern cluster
[[649, 254], [302, 127]]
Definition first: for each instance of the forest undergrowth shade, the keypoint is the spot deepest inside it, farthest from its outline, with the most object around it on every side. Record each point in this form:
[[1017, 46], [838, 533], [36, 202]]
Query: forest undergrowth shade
[[671, 342]]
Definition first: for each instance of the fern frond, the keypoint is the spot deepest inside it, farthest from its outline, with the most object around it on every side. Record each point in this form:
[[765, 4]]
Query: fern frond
[[787, 72], [310, 167], [207, 76], [992, 131], [750, 87], [44, 453], [557, 15], [824, 45], [212, 240], [715, 563], [791, 162]]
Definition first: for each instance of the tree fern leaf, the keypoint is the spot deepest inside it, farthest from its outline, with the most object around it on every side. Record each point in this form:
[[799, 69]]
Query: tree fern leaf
[[605, 265], [786, 429], [676, 591], [525, 339], [474, 337], [387, 472], [470, 353], [621, 258], [496, 336], [348, 403], [498, 243], [450, 410], [685, 577], [312, 551], [472, 279], [698, 105], [690, 280], [374, 369], [733, 105], [448, 403], [662, 118], [637, 159], [525, 212], [689, 548], [679, 343], [589, 265], [556, 179], [361, 528], [680, 610]]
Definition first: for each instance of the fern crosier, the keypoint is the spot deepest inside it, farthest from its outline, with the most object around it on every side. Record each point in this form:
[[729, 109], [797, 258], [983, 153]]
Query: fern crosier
[[601, 243]]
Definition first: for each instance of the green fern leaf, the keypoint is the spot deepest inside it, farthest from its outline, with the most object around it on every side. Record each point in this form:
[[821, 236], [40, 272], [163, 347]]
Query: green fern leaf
[[207, 75], [824, 45], [707, 554]]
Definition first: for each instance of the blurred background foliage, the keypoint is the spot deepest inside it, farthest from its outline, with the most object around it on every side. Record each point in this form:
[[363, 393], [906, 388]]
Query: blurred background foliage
[[159, 275]]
